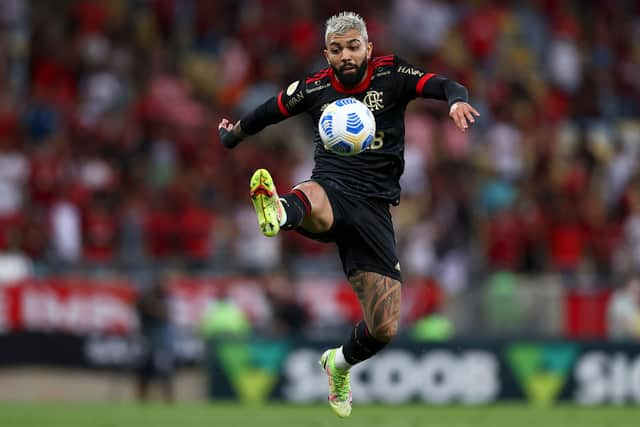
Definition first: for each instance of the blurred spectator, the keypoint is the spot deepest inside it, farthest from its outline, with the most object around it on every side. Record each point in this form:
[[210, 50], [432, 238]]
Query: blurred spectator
[[196, 234], [14, 266], [431, 21], [632, 226], [289, 317], [66, 229], [157, 359], [252, 252], [624, 311], [99, 230]]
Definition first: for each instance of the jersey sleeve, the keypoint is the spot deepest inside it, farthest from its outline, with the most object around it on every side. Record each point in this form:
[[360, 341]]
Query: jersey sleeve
[[288, 102], [414, 82], [294, 99], [411, 79]]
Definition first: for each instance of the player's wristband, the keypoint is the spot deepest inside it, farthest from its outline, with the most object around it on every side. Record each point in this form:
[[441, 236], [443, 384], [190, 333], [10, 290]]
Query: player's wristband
[[228, 139]]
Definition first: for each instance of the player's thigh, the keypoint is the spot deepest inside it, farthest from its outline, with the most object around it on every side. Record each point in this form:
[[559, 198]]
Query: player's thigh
[[379, 297], [320, 219]]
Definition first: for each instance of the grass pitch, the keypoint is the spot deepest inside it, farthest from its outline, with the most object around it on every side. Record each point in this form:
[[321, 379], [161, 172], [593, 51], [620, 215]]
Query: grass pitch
[[282, 415]]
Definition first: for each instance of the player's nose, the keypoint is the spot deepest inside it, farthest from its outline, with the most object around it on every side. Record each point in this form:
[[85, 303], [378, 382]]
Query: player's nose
[[346, 57], [347, 61]]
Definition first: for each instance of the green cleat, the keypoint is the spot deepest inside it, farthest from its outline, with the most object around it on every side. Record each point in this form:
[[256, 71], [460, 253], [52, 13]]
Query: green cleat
[[266, 202], [339, 384]]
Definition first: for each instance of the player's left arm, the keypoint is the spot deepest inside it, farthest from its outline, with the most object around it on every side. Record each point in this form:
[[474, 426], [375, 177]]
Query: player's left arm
[[414, 82], [456, 95]]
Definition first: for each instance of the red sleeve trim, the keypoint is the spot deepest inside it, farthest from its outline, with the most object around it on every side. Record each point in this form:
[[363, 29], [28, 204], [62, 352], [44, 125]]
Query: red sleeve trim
[[423, 80], [281, 106]]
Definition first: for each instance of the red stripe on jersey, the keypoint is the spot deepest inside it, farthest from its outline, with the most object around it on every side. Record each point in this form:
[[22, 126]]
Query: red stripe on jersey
[[355, 89], [382, 61], [317, 76], [423, 80], [383, 58], [381, 64], [281, 106]]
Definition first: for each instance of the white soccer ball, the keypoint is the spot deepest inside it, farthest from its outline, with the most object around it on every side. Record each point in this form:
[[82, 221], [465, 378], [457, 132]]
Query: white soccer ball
[[347, 127]]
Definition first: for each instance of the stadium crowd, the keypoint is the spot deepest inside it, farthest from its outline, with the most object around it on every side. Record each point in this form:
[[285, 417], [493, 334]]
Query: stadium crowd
[[109, 155]]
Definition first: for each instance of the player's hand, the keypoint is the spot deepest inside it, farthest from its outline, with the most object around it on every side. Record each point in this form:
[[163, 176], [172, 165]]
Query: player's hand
[[462, 114], [227, 137]]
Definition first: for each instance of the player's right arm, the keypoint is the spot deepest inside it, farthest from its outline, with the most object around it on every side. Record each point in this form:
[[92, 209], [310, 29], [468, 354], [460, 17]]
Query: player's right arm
[[287, 103]]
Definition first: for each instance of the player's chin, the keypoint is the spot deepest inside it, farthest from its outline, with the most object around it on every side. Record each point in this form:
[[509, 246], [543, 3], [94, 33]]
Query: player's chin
[[349, 77]]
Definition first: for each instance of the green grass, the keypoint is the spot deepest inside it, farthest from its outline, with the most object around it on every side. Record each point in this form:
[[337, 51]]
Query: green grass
[[281, 415]]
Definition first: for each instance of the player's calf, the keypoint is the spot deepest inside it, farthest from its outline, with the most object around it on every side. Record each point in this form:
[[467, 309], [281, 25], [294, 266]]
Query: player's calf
[[360, 346], [379, 297]]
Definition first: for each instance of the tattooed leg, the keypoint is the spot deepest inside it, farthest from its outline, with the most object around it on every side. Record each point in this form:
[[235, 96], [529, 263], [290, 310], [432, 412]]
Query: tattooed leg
[[379, 297], [380, 300]]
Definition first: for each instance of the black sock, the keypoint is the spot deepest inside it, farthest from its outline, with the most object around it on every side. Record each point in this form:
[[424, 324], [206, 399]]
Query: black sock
[[297, 206], [361, 345]]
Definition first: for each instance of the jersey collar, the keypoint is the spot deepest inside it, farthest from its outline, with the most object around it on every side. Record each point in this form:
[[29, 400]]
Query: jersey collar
[[355, 89]]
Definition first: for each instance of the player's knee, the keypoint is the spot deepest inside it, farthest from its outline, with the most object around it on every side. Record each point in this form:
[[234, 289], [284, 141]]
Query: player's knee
[[321, 218], [386, 333]]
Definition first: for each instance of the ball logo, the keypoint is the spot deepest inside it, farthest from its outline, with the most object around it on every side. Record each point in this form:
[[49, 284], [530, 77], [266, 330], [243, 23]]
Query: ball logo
[[354, 124], [326, 124], [345, 101]]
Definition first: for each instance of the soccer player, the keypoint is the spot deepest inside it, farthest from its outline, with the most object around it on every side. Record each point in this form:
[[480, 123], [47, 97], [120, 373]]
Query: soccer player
[[347, 199]]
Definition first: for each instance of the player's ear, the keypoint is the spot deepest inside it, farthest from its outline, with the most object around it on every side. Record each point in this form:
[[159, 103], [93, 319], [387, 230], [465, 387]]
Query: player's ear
[[326, 56], [369, 50]]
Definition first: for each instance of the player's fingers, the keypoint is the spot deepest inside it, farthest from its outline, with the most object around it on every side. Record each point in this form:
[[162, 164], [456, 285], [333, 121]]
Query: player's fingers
[[458, 117], [469, 117], [474, 111], [465, 124], [223, 124], [460, 121]]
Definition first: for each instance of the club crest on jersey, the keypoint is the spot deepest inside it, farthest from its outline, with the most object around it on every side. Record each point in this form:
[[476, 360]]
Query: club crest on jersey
[[373, 100]]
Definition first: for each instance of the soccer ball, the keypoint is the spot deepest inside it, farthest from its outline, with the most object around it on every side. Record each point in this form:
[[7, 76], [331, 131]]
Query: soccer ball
[[346, 127]]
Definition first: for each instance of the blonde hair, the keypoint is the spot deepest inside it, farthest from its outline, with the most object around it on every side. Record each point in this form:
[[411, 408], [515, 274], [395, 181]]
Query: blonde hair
[[344, 22]]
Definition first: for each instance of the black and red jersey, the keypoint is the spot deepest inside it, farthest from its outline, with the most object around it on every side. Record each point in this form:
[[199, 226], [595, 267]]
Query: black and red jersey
[[389, 85]]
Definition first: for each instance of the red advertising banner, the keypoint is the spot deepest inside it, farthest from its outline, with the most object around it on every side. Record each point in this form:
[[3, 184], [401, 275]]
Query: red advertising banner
[[108, 307], [84, 306], [68, 306]]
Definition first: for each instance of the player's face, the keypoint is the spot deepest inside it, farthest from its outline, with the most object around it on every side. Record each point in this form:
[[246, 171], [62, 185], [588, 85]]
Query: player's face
[[348, 55]]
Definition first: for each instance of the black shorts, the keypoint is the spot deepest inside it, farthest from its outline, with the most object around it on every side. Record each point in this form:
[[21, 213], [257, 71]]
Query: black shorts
[[363, 231]]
